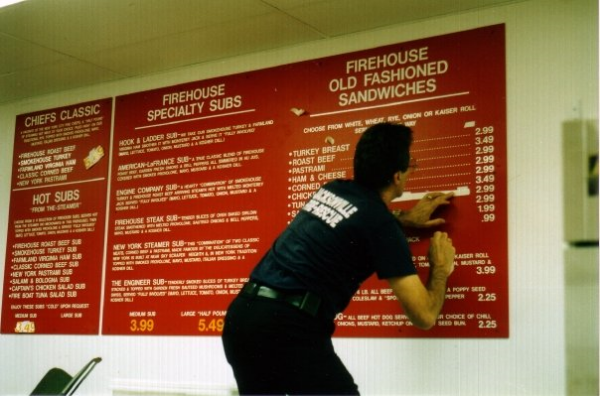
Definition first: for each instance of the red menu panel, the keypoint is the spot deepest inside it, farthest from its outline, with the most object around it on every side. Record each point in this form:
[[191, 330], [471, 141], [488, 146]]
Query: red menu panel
[[456, 106], [198, 194], [206, 174], [53, 270]]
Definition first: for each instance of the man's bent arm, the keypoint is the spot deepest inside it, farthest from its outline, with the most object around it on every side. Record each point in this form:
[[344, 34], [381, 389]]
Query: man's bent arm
[[422, 304]]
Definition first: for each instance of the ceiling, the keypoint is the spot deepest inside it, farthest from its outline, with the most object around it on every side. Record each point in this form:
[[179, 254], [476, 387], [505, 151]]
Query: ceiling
[[48, 46]]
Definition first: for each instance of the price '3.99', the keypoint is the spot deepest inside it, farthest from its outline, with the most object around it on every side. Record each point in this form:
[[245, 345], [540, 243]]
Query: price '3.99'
[[141, 325]]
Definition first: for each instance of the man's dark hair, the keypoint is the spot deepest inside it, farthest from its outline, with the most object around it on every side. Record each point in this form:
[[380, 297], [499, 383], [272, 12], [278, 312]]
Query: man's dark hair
[[382, 150]]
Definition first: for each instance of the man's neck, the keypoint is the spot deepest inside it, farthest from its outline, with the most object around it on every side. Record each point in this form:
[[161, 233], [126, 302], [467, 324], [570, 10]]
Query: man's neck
[[388, 194]]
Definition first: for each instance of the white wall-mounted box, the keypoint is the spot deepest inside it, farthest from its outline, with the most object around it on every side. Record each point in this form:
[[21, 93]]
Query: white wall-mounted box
[[580, 161]]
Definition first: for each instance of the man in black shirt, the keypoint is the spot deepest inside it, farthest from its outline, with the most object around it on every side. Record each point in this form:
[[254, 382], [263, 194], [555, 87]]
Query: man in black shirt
[[277, 334]]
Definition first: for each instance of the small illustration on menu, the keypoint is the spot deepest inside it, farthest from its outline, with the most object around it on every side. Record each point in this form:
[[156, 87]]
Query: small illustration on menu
[[93, 157]]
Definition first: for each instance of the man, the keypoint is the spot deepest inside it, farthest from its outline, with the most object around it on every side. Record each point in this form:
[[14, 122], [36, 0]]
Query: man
[[277, 334]]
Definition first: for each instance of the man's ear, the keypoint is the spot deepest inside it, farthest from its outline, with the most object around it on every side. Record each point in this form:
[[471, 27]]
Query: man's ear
[[397, 177]]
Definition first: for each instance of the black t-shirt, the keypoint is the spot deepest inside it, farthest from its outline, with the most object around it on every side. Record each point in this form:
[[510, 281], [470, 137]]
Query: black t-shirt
[[342, 235]]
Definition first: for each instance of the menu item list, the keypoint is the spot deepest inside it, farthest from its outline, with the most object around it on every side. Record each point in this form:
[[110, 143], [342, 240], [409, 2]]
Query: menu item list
[[53, 271]]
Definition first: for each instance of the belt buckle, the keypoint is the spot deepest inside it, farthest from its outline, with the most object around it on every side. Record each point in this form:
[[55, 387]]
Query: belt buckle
[[310, 303], [250, 288]]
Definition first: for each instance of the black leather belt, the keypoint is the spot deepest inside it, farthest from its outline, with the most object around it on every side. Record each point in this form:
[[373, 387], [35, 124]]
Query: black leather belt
[[306, 302]]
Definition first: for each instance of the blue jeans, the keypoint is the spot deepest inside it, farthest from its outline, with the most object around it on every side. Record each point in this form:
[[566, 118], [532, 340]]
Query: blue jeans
[[274, 348]]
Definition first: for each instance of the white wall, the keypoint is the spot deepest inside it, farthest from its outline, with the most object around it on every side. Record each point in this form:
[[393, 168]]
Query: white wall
[[552, 52]]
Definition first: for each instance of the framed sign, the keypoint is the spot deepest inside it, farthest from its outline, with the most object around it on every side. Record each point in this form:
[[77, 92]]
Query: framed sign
[[53, 271]]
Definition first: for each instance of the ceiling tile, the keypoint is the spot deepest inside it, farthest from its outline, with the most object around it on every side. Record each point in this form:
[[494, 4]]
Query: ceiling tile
[[50, 78], [339, 17], [16, 54], [289, 4], [74, 27], [225, 40]]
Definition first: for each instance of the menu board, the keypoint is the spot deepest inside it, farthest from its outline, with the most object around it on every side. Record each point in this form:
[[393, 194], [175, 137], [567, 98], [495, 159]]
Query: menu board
[[53, 267], [205, 175]]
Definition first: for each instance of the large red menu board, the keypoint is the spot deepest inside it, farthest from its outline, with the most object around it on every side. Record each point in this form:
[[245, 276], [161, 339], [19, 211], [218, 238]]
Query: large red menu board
[[53, 267], [205, 175]]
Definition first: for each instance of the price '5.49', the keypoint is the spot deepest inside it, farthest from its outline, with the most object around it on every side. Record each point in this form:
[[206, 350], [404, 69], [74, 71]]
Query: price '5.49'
[[211, 325]]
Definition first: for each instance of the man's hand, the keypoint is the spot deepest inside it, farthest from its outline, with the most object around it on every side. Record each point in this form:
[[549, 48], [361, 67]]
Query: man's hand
[[420, 214], [441, 254]]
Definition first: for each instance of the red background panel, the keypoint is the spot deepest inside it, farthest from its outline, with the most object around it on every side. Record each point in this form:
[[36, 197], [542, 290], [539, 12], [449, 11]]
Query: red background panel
[[204, 176], [53, 272]]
